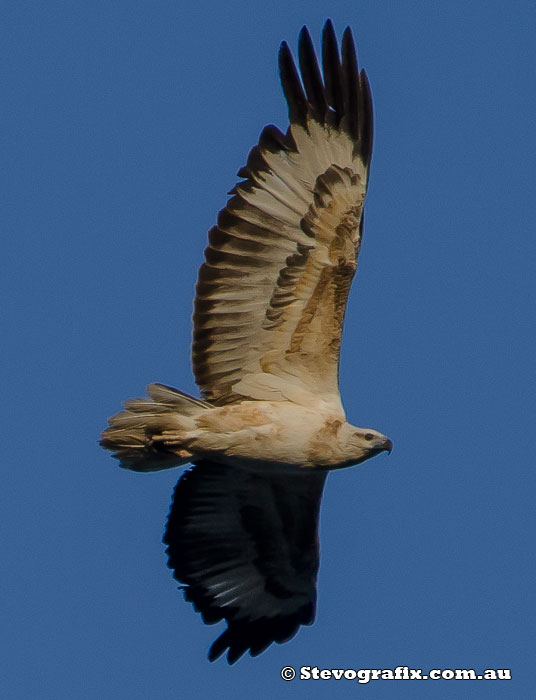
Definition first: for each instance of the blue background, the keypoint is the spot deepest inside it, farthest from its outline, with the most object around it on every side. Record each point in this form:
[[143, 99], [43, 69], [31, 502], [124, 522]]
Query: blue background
[[122, 127]]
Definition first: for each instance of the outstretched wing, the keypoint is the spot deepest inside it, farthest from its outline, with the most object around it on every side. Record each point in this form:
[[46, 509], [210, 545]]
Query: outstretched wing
[[245, 547], [272, 293]]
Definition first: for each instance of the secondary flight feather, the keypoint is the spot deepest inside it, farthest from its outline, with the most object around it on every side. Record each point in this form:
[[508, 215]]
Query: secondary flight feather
[[268, 315]]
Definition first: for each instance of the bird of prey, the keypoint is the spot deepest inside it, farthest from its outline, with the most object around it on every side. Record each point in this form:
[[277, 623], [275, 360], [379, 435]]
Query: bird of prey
[[270, 300]]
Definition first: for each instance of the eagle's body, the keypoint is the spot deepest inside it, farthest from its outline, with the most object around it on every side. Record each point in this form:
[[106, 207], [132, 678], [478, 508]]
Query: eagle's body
[[269, 310], [271, 437]]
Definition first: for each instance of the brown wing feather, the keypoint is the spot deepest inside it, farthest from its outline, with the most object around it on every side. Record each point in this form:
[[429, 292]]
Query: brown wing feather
[[271, 295]]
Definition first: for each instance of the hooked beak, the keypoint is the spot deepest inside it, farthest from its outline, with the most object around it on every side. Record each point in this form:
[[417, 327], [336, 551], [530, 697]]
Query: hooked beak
[[387, 445]]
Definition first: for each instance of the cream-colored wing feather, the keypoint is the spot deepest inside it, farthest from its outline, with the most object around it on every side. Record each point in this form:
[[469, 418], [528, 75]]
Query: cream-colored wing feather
[[272, 293]]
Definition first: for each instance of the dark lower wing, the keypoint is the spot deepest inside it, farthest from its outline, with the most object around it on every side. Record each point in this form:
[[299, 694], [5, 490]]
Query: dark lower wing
[[245, 547]]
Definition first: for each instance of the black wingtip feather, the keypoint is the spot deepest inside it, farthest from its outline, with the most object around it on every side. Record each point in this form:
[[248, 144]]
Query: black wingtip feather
[[237, 638], [367, 120], [331, 66], [351, 83], [290, 80], [311, 76]]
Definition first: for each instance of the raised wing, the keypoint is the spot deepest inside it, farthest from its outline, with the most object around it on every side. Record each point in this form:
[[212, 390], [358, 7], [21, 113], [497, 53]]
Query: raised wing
[[245, 547], [272, 293]]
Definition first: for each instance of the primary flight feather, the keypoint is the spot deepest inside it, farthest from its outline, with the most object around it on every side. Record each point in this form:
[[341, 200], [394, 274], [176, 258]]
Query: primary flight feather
[[269, 309]]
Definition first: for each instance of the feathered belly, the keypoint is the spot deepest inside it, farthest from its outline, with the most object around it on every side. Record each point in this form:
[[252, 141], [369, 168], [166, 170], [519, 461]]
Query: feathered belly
[[267, 436]]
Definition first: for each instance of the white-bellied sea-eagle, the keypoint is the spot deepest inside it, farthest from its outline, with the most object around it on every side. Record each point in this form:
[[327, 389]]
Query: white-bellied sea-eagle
[[270, 300]]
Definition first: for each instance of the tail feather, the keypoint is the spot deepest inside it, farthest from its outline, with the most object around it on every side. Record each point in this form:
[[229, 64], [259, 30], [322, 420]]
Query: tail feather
[[137, 436]]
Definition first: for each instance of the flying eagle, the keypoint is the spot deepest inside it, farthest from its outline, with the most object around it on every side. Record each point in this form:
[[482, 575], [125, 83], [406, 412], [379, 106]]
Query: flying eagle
[[269, 308]]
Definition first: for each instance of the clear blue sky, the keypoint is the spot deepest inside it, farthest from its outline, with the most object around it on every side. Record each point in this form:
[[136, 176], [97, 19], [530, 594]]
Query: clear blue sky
[[122, 127]]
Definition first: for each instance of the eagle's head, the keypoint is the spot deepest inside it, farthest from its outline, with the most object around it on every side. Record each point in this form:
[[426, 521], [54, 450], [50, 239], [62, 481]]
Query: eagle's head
[[359, 444]]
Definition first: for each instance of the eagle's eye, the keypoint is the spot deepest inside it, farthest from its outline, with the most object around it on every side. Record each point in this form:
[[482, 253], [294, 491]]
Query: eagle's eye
[[369, 436]]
